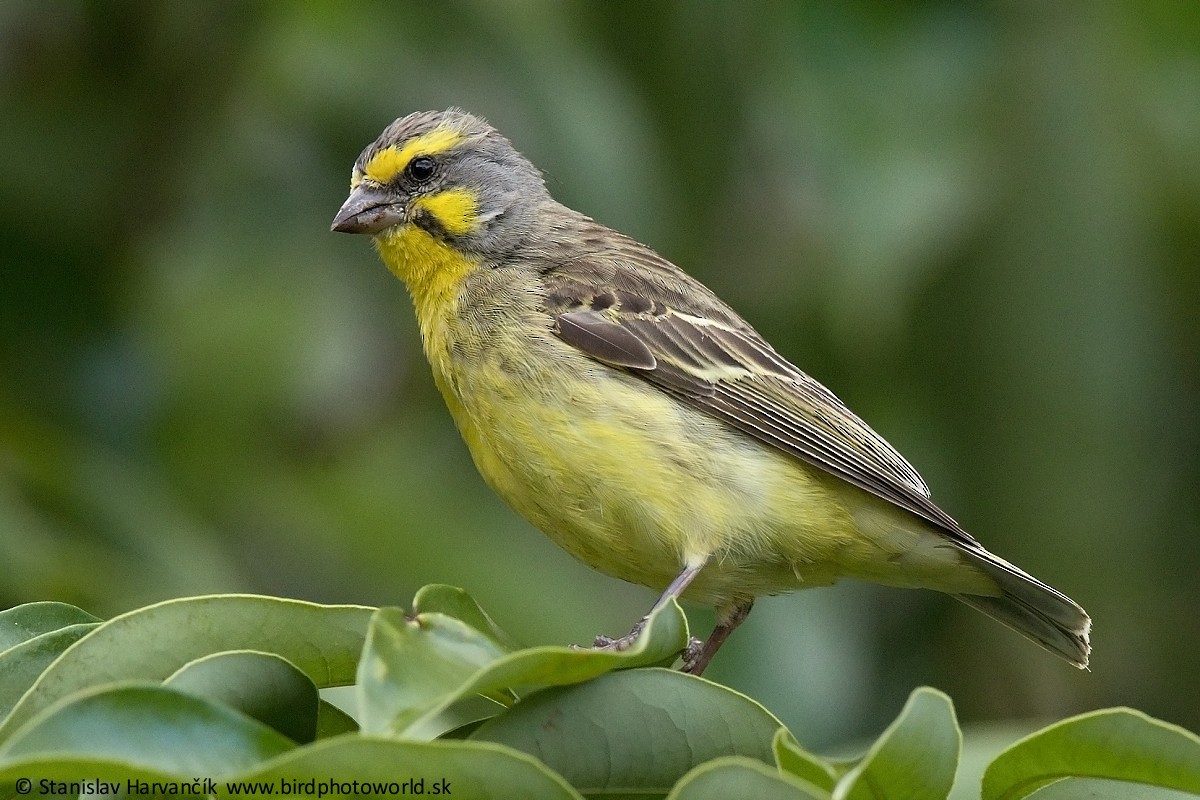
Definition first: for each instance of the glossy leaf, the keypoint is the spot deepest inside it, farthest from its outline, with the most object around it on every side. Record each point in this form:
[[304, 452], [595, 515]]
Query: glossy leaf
[[332, 721], [1100, 789], [21, 664], [263, 686], [411, 666], [635, 730], [22, 623], [455, 602], [737, 777], [914, 759], [1117, 743], [155, 641], [795, 760], [412, 669], [469, 769], [141, 727]]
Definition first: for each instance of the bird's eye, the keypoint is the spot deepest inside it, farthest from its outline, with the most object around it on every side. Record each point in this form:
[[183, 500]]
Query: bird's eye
[[421, 169]]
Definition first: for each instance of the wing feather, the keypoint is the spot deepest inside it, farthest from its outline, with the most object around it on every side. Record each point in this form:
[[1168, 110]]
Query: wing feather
[[612, 344], [654, 320]]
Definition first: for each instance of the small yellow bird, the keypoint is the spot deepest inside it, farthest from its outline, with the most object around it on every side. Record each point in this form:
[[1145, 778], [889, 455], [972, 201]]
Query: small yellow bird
[[622, 408]]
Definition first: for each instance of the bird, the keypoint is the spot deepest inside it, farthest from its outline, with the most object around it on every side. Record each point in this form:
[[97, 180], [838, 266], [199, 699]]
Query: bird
[[632, 416]]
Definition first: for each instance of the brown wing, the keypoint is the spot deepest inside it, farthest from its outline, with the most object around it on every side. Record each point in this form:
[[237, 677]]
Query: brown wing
[[661, 325]]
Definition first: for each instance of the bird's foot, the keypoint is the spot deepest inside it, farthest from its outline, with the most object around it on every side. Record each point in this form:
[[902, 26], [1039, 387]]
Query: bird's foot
[[622, 643], [691, 654]]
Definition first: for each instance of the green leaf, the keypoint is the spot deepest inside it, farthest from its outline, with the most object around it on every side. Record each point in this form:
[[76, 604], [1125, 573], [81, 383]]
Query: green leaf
[[22, 623], [332, 721], [916, 757], [92, 777], [795, 760], [140, 727], [412, 669], [1116, 743], [738, 777], [663, 637], [263, 686], [469, 769], [153, 642], [411, 666], [21, 665], [458, 720], [634, 730], [454, 602], [463, 731], [1100, 789]]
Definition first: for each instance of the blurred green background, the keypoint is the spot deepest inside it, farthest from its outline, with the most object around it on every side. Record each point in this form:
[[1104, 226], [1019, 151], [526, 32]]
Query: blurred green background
[[979, 224]]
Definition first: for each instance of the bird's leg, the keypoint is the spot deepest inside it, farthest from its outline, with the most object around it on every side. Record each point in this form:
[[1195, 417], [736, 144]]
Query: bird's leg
[[696, 658], [672, 592]]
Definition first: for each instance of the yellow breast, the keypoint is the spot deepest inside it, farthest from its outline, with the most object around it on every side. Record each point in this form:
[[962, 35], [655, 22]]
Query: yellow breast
[[434, 273]]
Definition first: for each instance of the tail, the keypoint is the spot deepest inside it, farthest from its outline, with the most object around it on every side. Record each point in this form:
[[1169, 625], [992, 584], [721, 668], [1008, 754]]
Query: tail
[[1038, 612]]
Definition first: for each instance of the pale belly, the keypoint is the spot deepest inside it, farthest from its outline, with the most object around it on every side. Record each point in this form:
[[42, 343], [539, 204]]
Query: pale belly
[[637, 484]]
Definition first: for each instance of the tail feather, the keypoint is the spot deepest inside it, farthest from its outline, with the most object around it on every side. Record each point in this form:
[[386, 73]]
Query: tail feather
[[1039, 612]]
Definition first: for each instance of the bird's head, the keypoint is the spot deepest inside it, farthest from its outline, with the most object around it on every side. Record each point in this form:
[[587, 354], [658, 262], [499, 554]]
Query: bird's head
[[448, 174]]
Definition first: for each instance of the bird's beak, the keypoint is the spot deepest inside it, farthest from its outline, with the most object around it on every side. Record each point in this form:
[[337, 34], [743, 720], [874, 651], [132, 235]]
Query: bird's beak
[[367, 210]]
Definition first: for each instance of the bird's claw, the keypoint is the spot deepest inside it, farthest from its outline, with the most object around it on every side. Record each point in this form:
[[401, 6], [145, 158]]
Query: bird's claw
[[620, 644], [691, 653]]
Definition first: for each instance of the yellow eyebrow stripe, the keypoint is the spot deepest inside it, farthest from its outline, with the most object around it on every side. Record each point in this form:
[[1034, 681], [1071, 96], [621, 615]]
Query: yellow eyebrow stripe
[[390, 162]]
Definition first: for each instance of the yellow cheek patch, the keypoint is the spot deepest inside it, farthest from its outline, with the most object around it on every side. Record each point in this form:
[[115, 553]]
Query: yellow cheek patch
[[456, 210], [390, 161]]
